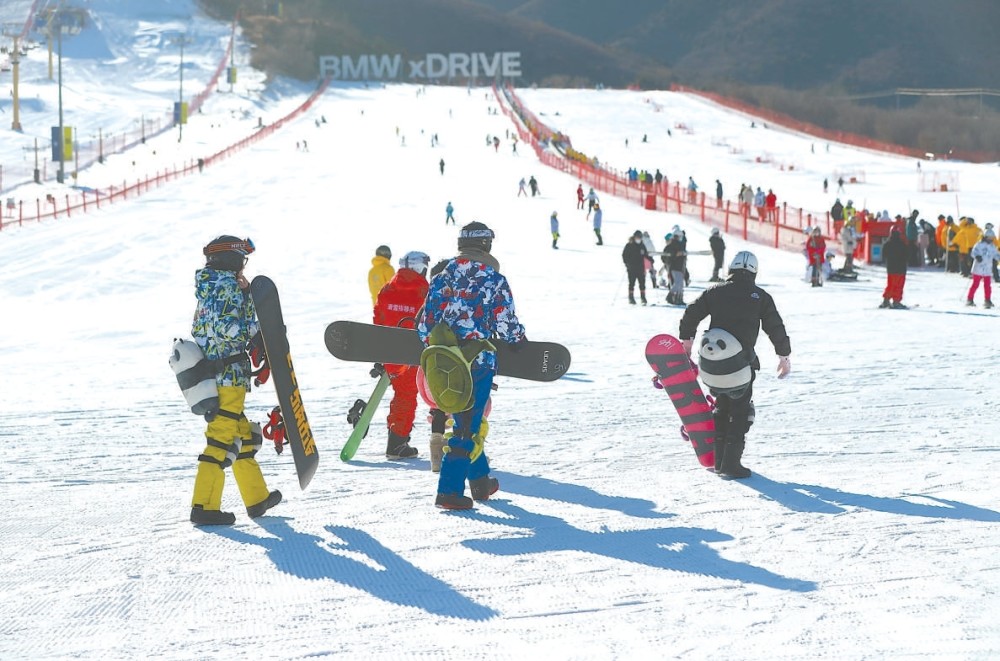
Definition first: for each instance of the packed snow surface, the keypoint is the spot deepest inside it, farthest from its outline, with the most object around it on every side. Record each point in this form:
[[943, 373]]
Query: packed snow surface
[[869, 529]]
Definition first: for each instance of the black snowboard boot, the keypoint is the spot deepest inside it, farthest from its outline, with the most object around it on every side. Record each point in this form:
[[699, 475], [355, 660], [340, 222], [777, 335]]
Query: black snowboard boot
[[483, 487], [631, 297], [261, 508], [720, 450], [453, 501], [731, 466], [203, 517], [988, 304], [398, 447], [885, 303], [642, 297]]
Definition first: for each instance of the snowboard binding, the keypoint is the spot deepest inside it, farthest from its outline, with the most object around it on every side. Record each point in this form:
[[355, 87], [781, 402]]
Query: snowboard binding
[[274, 430]]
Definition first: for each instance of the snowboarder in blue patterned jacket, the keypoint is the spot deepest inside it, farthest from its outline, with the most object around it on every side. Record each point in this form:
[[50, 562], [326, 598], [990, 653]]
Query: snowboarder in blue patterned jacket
[[473, 298]]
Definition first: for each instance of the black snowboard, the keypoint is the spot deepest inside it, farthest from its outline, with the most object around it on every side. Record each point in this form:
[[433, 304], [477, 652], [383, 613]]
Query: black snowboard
[[272, 329], [367, 343]]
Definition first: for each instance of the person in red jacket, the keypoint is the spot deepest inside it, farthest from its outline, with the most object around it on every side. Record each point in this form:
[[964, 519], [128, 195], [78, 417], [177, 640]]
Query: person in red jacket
[[397, 305], [771, 205], [816, 252]]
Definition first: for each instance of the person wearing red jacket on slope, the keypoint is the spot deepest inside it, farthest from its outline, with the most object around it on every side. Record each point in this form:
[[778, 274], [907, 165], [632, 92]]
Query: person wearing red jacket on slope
[[397, 305], [816, 252], [771, 206]]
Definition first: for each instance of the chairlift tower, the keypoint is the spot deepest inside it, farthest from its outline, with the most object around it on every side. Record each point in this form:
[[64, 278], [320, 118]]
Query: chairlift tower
[[14, 32], [180, 114]]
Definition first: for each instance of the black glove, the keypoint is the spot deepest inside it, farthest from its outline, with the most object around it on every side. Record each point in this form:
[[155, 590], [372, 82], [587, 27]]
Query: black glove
[[979, 258]]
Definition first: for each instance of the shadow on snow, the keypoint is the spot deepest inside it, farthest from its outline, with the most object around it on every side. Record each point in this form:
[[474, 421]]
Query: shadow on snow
[[827, 500], [395, 580], [678, 549]]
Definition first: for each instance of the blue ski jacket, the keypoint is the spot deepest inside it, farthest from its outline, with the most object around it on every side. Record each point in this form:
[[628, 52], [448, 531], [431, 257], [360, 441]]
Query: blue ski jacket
[[475, 301]]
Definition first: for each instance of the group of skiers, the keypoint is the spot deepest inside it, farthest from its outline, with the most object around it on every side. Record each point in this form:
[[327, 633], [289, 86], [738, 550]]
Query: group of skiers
[[912, 242], [638, 257], [468, 297]]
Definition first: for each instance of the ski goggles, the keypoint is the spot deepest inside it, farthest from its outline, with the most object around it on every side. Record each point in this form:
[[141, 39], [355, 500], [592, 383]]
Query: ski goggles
[[242, 246]]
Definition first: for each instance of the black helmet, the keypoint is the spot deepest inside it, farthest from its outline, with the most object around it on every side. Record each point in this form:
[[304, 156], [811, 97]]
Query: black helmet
[[383, 251], [227, 253], [476, 235]]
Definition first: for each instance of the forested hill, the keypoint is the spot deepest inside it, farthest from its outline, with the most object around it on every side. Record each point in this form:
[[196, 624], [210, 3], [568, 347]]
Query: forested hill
[[854, 46], [810, 59], [857, 45]]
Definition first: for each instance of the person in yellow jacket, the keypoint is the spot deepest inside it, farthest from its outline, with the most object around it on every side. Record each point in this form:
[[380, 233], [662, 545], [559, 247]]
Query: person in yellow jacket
[[381, 271], [965, 238]]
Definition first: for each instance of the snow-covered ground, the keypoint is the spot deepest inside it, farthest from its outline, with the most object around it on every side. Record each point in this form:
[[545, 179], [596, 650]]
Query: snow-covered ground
[[868, 530]]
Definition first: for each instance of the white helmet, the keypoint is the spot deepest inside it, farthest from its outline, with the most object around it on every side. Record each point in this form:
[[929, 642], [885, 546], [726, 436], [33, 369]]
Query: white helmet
[[744, 261], [415, 261], [722, 364]]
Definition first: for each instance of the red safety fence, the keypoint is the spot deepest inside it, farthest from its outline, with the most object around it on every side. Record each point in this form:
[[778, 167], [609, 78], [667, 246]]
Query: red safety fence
[[780, 227], [81, 200]]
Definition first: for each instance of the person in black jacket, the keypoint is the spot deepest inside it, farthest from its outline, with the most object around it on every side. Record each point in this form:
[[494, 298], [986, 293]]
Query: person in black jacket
[[837, 212], [741, 308], [675, 258], [894, 255], [634, 256], [718, 247]]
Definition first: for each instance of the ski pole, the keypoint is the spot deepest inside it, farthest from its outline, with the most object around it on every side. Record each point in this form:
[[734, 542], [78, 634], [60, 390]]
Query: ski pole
[[617, 289]]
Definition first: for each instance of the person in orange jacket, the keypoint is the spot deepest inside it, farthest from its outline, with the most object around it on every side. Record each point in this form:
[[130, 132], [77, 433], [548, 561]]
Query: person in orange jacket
[[939, 238]]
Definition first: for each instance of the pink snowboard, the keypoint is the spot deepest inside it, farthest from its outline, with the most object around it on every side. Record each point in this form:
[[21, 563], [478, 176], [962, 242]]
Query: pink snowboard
[[677, 375]]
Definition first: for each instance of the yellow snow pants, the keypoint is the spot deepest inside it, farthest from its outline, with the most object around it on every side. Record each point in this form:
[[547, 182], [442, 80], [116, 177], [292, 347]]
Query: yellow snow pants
[[231, 440]]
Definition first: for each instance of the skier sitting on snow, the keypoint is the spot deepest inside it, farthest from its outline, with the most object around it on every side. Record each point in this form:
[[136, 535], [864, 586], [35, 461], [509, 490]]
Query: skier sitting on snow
[[225, 324], [741, 308]]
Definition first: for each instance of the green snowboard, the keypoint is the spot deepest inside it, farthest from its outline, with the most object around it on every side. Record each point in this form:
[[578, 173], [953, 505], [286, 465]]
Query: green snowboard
[[362, 420]]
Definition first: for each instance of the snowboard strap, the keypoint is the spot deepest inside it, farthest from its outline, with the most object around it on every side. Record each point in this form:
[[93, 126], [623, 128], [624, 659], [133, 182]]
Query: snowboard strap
[[220, 364], [250, 448], [274, 430], [232, 451], [229, 414]]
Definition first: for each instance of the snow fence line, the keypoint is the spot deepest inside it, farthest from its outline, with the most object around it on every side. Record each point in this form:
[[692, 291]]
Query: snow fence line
[[779, 227], [83, 200]]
